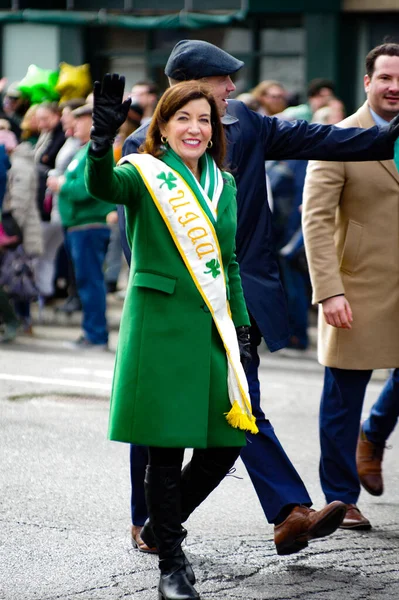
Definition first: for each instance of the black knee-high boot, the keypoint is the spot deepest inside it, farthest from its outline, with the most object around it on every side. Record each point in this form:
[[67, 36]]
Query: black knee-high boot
[[163, 497], [198, 479]]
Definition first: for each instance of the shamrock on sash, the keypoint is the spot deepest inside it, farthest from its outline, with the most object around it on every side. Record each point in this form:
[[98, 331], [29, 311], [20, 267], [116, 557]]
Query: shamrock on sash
[[168, 179], [214, 268]]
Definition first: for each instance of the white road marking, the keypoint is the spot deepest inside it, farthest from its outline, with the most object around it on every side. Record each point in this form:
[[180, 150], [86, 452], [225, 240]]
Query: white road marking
[[82, 371], [60, 382]]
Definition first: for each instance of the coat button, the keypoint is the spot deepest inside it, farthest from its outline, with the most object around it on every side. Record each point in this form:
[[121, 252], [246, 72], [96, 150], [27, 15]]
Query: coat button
[[205, 308]]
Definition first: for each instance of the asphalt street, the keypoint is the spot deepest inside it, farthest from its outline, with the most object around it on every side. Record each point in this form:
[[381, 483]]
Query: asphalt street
[[65, 521]]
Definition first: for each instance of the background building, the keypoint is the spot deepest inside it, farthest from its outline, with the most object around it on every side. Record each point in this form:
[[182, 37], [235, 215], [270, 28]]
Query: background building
[[289, 40]]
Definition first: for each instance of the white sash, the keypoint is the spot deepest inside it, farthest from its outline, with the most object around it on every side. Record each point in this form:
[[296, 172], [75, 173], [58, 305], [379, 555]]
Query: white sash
[[196, 240]]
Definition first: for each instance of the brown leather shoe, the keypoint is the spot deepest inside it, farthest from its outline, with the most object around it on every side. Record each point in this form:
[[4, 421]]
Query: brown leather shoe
[[304, 524], [354, 519], [138, 543], [369, 465]]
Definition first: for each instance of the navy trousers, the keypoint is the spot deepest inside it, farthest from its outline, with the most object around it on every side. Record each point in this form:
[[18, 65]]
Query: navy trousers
[[384, 413], [340, 414], [274, 478]]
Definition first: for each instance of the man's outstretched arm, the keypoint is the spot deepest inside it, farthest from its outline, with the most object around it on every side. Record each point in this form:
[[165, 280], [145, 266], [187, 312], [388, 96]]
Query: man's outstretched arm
[[311, 141]]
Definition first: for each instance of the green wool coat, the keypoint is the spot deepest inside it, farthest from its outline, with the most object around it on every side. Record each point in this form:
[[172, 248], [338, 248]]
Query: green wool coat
[[170, 378]]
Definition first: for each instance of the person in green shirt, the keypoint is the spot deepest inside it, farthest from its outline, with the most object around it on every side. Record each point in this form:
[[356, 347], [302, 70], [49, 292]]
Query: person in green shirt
[[87, 237]]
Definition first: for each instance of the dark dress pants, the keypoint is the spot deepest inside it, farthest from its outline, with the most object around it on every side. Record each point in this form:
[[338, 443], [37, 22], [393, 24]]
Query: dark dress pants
[[138, 463], [273, 476], [384, 413], [340, 414]]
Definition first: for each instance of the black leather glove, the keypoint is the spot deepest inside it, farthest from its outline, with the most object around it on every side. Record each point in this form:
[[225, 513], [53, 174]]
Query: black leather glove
[[393, 129], [109, 112], [244, 345]]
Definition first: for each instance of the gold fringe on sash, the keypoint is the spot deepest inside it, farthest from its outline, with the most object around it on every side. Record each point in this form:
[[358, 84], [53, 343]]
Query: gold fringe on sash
[[240, 420]]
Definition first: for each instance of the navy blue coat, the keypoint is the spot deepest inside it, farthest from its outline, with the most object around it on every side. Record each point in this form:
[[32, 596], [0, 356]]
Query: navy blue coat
[[4, 166], [252, 139]]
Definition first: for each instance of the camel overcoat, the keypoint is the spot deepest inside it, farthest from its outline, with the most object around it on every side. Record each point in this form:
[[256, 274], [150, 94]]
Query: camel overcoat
[[170, 378], [351, 231]]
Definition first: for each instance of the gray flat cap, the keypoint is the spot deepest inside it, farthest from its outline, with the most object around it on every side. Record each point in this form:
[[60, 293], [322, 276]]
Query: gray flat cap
[[193, 59], [81, 111]]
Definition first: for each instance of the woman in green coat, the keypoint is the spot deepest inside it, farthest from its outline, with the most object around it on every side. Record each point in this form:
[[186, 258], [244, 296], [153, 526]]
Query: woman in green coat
[[178, 380]]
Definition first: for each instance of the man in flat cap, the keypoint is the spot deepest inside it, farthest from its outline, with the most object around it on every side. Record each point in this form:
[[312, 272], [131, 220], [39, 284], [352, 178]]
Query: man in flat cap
[[252, 139], [196, 59]]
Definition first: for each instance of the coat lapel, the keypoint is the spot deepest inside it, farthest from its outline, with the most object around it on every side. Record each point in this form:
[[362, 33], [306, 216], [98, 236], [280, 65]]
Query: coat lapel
[[366, 121]]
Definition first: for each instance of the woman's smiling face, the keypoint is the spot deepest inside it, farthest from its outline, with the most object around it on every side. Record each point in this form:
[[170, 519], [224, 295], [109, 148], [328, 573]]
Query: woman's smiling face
[[189, 131]]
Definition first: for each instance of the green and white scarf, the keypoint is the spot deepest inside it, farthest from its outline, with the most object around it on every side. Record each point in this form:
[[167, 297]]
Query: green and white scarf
[[189, 210]]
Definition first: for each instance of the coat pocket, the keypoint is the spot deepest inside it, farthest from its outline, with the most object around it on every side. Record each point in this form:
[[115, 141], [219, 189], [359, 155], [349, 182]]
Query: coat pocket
[[154, 281], [350, 252]]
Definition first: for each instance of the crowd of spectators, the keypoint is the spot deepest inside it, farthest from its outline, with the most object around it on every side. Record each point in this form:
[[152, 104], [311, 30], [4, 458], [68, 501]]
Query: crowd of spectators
[[39, 144]]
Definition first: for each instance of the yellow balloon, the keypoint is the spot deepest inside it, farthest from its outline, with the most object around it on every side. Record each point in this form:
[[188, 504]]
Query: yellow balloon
[[73, 82]]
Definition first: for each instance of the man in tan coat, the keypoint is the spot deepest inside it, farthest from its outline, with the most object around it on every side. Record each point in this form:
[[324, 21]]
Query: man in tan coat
[[351, 230]]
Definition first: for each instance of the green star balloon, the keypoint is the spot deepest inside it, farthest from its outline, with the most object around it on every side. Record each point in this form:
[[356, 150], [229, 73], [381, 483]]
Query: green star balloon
[[39, 85]]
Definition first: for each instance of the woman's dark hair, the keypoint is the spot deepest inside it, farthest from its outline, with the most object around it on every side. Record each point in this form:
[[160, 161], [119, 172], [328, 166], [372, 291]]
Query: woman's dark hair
[[316, 85], [173, 100]]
